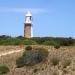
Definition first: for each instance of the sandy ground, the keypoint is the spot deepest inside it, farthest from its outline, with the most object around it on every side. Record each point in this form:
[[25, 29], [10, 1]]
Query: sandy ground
[[8, 56], [10, 52]]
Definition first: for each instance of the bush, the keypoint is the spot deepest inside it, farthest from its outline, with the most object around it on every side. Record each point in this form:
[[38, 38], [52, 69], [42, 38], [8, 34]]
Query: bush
[[47, 43], [20, 62], [56, 47], [35, 56], [28, 48], [4, 69], [29, 42], [67, 42], [32, 57], [35, 70], [66, 63], [11, 41], [55, 61], [52, 43]]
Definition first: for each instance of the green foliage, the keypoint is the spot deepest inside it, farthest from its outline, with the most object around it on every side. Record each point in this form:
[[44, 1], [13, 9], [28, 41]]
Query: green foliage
[[32, 57], [28, 48], [29, 42], [66, 62], [4, 69], [20, 62], [39, 40], [67, 41], [8, 40], [47, 43], [35, 56], [55, 61], [52, 43]]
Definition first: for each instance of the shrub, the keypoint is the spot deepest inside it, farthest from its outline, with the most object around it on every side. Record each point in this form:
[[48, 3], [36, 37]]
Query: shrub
[[39, 40], [35, 56], [42, 53], [55, 61], [4, 69], [35, 70], [28, 48], [67, 42], [66, 63], [10, 41], [52, 43], [47, 43], [56, 47], [20, 62], [29, 42], [32, 57]]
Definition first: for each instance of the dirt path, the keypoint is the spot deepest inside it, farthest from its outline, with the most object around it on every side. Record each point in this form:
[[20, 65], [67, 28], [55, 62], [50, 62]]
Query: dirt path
[[10, 52]]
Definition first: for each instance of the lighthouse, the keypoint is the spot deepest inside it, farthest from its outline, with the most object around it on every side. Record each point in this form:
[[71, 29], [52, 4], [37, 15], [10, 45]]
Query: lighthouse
[[28, 25]]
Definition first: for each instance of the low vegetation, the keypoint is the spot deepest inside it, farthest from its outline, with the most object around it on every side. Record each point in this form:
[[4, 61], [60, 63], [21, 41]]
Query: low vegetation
[[57, 47], [55, 61], [28, 48], [8, 40], [4, 69], [66, 62], [32, 57], [34, 60]]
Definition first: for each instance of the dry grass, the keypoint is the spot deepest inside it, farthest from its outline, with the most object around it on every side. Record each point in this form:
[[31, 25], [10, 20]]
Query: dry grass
[[44, 68]]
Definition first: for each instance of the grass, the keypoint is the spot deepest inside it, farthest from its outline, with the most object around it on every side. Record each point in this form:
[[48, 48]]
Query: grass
[[66, 62], [61, 53], [55, 61], [4, 69]]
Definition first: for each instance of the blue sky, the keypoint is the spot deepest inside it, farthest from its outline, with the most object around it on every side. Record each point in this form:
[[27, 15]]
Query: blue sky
[[54, 18]]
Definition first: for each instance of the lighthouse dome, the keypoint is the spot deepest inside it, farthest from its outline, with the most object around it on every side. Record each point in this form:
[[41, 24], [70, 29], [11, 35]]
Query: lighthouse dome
[[28, 13]]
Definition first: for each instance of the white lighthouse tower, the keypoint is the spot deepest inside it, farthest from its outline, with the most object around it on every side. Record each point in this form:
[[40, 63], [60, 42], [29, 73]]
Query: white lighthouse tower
[[28, 25]]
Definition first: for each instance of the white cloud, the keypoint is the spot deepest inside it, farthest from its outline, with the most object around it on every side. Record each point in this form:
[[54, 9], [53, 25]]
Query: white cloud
[[23, 10]]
